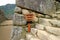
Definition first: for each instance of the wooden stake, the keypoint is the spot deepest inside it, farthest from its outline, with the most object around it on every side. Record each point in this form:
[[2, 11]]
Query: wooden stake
[[29, 27]]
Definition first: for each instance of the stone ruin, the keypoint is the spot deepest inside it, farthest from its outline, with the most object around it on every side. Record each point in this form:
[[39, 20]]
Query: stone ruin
[[43, 27]]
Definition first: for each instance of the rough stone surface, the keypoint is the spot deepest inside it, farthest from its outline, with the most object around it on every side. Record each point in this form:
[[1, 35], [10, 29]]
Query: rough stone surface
[[43, 27], [34, 31], [44, 30], [19, 19], [29, 36], [35, 19], [44, 22], [53, 30], [17, 10], [43, 35], [40, 26], [16, 33], [58, 14], [34, 38], [22, 39], [24, 11], [46, 16], [58, 6], [50, 22], [52, 37], [39, 15], [46, 6], [55, 23]]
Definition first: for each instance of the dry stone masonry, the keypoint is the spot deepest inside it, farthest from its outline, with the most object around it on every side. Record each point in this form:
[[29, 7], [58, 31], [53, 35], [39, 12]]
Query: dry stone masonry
[[43, 27]]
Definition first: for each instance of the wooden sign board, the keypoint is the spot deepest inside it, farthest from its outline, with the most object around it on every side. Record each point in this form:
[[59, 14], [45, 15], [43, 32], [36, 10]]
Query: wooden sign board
[[29, 17]]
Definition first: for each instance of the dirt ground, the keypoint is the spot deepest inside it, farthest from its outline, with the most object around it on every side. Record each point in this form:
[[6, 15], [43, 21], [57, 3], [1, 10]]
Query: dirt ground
[[5, 30]]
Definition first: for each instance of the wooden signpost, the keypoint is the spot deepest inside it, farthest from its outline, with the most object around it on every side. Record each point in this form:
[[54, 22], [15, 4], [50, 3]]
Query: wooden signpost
[[29, 18]]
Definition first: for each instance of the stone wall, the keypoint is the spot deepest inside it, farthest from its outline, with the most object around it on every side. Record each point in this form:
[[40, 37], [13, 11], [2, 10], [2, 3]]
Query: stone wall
[[57, 5], [44, 6], [43, 27]]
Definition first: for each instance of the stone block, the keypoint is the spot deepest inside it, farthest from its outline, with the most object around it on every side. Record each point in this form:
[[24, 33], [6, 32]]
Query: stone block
[[18, 10], [43, 35], [40, 26], [19, 19], [53, 30], [44, 22]]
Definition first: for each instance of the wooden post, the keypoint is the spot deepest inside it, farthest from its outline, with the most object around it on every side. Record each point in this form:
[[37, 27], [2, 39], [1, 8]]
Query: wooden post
[[29, 27]]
